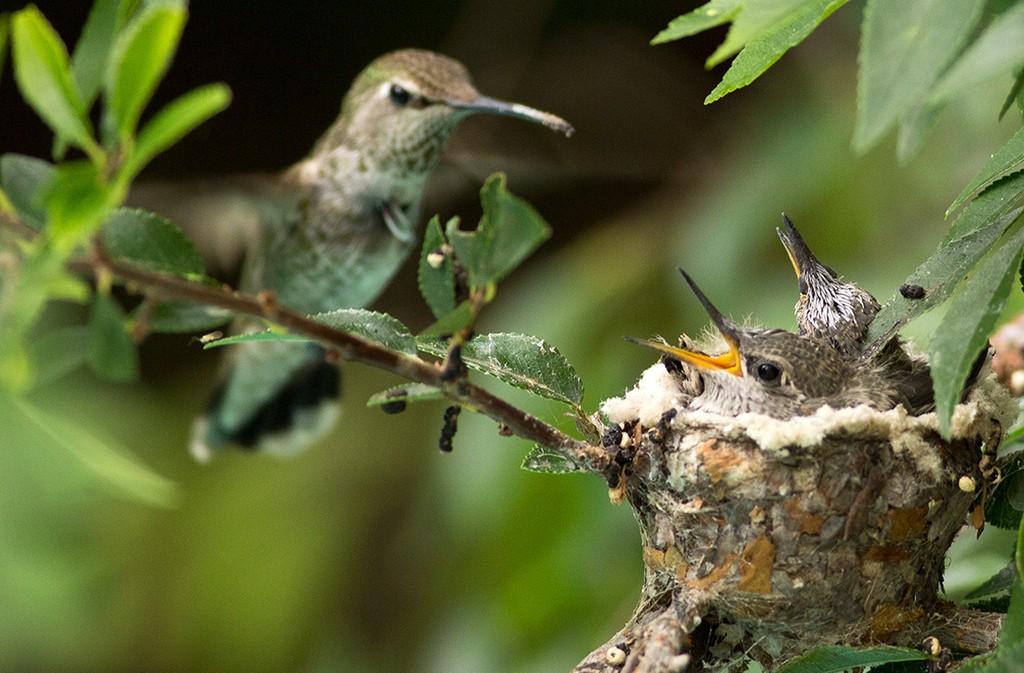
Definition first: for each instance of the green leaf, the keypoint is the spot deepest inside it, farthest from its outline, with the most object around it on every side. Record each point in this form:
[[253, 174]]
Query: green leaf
[[26, 181], [714, 13], [905, 46], [92, 51], [173, 122], [1016, 94], [757, 19], [995, 201], [181, 316], [541, 459], [1008, 159], [760, 53], [521, 361], [79, 200], [152, 241], [107, 464], [58, 351], [939, 275], [450, 323], [409, 392], [380, 328], [141, 56], [914, 128], [969, 321], [509, 231], [996, 587], [437, 283], [268, 335], [112, 353], [999, 50], [1004, 506], [836, 658], [43, 73]]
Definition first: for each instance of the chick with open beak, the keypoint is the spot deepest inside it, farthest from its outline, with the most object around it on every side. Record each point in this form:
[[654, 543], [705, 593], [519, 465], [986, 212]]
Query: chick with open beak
[[775, 372]]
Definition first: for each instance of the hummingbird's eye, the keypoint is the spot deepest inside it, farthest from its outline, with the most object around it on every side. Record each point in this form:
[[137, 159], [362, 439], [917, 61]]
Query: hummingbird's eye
[[399, 95], [768, 373]]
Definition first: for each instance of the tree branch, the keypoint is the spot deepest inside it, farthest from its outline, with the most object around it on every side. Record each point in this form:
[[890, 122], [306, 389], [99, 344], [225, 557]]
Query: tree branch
[[351, 347]]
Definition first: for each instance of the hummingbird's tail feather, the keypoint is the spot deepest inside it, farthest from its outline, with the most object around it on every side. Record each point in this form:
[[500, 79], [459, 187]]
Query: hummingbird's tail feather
[[278, 398]]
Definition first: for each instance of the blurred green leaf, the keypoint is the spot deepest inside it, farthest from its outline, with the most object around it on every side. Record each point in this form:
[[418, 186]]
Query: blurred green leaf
[[173, 122], [914, 128], [150, 240], [1004, 505], [182, 316], [521, 361], [57, 352], [79, 200], [837, 658], [92, 50], [1008, 159], [43, 72], [905, 46], [939, 275], [970, 319], [141, 56], [437, 283], [110, 465], [380, 328], [542, 459], [999, 50], [714, 13], [112, 353], [509, 231], [450, 323], [786, 25], [26, 180], [1015, 95], [409, 392]]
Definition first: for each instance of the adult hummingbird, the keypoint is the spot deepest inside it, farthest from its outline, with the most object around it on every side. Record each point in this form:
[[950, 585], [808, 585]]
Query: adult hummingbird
[[775, 372], [333, 231]]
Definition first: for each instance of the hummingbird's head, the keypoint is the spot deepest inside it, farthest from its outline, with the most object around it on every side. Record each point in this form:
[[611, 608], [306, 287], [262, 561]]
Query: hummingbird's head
[[403, 107], [777, 362], [829, 308]]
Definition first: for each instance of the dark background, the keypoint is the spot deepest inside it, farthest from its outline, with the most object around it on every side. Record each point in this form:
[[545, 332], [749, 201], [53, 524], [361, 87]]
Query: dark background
[[372, 551]]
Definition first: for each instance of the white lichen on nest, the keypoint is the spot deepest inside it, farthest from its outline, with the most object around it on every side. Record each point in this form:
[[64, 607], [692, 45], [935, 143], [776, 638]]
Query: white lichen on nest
[[988, 410]]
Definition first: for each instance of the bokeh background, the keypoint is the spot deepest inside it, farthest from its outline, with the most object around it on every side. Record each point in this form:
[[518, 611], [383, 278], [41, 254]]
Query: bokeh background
[[373, 552]]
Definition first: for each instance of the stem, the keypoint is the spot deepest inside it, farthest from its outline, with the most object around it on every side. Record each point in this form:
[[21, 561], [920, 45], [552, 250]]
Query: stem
[[351, 347]]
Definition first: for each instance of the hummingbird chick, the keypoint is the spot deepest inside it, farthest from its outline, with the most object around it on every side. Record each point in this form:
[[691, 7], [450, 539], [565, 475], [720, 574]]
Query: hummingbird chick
[[839, 313], [776, 373], [333, 231], [829, 308]]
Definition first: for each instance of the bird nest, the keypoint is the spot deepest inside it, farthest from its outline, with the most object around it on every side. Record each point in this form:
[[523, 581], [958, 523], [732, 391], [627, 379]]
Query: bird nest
[[780, 534]]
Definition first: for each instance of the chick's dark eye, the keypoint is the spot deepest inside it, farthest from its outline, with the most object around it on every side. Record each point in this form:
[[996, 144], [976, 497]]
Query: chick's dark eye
[[399, 96], [768, 373]]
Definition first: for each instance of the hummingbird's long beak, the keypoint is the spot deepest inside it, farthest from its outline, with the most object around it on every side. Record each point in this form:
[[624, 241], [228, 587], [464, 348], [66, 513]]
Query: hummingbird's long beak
[[729, 362], [488, 105], [800, 256]]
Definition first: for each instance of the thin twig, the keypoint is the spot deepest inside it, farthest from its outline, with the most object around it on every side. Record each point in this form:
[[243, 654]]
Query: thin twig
[[351, 347]]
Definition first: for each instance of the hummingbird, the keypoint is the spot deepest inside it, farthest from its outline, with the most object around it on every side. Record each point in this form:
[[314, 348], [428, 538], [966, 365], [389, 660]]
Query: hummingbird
[[333, 231], [829, 308], [775, 372], [839, 313]]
